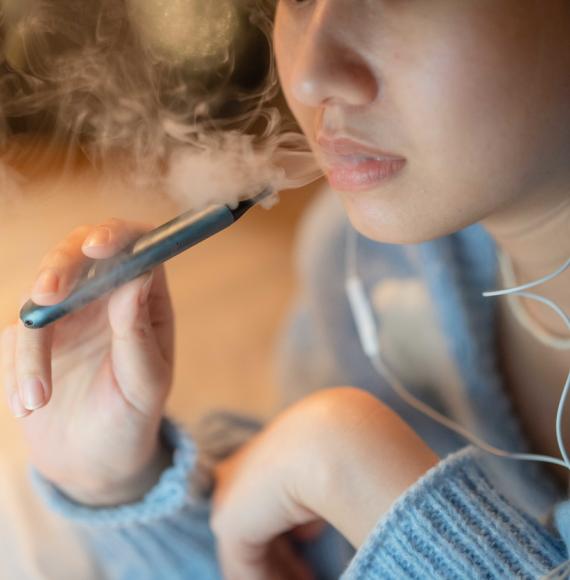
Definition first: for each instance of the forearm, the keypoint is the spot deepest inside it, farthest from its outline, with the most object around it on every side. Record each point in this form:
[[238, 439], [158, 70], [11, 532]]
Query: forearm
[[355, 483]]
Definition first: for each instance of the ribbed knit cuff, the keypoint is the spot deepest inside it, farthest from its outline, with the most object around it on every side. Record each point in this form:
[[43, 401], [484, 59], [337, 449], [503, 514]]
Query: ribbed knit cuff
[[170, 494], [454, 524]]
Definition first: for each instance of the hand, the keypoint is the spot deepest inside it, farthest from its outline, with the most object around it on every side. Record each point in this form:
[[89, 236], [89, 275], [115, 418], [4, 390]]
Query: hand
[[90, 390], [339, 455]]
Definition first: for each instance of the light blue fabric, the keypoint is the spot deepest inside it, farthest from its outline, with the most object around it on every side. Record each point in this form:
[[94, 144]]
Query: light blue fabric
[[472, 516]]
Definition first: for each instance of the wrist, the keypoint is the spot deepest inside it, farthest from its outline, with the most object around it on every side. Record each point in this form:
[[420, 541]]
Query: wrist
[[127, 491], [365, 493]]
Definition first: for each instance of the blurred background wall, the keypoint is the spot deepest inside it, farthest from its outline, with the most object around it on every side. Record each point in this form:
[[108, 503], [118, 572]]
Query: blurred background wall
[[92, 85]]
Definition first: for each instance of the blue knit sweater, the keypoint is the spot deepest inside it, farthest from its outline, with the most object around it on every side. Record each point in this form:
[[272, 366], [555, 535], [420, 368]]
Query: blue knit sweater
[[472, 516]]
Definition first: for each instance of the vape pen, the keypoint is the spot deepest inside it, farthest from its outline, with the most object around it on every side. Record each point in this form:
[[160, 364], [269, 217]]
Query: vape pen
[[143, 255]]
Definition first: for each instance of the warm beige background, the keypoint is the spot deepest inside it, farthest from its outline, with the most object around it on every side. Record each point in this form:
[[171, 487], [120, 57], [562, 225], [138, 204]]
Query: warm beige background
[[230, 295]]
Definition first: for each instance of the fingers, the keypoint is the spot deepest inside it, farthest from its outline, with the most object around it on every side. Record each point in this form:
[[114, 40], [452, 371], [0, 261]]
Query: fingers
[[8, 368], [63, 266], [276, 561], [139, 364], [26, 368], [242, 562], [59, 272], [33, 366], [108, 238], [60, 269], [140, 315]]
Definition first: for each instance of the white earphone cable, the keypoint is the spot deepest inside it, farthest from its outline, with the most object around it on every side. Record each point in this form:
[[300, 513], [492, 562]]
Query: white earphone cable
[[368, 334]]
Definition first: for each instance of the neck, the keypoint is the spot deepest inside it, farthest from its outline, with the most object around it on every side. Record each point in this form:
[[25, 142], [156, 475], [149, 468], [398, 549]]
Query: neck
[[535, 236]]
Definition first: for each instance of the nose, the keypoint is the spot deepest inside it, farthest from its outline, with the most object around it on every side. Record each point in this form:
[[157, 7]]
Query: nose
[[328, 68]]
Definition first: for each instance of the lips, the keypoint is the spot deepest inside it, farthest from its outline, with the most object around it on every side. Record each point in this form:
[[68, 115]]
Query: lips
[[351, 166]]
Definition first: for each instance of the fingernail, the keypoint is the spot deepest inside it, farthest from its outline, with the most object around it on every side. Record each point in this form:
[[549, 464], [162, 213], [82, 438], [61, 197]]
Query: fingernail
[[100, 237], [33, 393], [18, 409], [145, 291], [47, 283]]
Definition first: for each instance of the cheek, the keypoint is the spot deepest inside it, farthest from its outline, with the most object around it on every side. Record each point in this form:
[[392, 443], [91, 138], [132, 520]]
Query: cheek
[[476, 111]]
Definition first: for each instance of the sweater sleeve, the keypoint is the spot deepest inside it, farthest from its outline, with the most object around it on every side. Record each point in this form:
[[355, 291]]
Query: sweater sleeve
[[166, 536], [454, 524]]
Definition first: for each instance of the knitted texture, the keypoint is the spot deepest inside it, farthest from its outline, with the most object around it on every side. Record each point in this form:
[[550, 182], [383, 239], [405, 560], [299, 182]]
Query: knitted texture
[[453, 524], [166, 536]]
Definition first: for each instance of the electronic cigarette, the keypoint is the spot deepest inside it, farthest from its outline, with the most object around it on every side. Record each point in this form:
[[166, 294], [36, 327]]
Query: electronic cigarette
[[152, 249]]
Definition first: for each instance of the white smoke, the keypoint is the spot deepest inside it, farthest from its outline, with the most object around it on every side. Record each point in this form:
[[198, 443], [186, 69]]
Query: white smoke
[[155, 91]]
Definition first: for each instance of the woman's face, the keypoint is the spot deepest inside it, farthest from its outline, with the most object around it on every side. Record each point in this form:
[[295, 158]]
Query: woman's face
[[471, 99]]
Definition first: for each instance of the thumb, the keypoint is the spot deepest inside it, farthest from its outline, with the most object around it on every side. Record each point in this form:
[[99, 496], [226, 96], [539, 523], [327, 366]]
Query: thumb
[[140, 369]]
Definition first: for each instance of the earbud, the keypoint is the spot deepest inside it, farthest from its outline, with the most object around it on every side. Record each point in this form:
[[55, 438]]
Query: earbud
[[363, 316]]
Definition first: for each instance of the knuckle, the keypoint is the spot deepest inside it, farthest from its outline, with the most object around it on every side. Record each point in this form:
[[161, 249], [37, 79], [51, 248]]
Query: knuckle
[[80, 231], [125, 231], [62, 256], [142, 332], [115, 224], [58, 257]]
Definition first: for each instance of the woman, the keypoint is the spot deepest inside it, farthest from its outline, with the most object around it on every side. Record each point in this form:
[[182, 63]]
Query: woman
[[428, 118]]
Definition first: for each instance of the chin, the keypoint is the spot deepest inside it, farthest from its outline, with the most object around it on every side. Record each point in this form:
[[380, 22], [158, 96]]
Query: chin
[[382, 222]]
